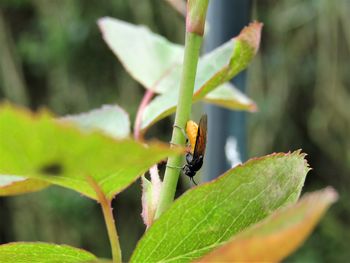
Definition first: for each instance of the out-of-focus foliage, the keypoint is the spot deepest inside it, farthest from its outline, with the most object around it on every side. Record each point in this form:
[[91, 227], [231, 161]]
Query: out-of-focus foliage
[[52, 53], [15, 185], [300, 82], [110, 119], [59, 55], [40, 147], [22, 252]]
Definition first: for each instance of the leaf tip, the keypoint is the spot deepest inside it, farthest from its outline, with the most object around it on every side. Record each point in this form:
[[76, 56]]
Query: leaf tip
[[299, 153], [101, 21], [253, 107], [251, 34], [102, 24], [331, 194]]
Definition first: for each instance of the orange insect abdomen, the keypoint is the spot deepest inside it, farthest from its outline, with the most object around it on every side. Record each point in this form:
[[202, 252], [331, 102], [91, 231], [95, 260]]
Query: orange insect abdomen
[[191, 131]]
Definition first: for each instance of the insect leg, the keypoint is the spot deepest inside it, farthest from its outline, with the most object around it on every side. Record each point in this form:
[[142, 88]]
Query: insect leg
[[191, 179]]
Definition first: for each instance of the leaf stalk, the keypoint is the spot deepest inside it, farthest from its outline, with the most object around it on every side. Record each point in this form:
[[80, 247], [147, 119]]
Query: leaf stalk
[[109, 220]]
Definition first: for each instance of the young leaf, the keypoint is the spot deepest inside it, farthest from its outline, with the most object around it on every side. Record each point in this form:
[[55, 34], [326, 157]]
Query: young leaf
[[210, 214], [150, 196], [151, 56], [37, 252], [214, 69], [111, 119], [40, 147], [15, 185], [146, 199], [277, 236]]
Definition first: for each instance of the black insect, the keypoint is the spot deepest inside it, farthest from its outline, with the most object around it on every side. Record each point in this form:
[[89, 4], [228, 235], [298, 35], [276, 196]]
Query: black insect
[[52, 169], [195, 158]]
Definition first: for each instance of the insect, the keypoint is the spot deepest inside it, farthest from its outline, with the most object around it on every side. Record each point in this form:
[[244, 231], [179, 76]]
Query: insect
[[52, 169], [197, 136]]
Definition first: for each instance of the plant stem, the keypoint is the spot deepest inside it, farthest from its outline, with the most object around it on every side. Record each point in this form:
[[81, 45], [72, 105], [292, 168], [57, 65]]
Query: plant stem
[[109, 220], [171, 176]]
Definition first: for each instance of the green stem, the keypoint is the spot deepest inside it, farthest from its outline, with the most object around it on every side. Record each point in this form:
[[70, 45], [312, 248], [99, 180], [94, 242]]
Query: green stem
[[183, 111], [109, 220], [112, 231]]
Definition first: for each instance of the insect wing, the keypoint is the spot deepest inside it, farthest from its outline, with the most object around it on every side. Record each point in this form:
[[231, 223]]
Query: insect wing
[[201, 139], [192, 131]]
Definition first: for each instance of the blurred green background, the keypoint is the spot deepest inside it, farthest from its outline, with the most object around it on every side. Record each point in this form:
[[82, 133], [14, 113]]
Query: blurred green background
[[52, 55]]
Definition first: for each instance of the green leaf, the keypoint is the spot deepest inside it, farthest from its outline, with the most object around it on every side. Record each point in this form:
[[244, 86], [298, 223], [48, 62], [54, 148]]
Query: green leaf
[[40, 147], [228, 96], [151, 55], [111, 119], [156, 64], [101, 260], [277, 236], [23, 252], [210, 214], [15, 185], [214, 69]]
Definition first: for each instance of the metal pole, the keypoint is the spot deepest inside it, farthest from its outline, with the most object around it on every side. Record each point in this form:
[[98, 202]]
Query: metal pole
[[226, 19]]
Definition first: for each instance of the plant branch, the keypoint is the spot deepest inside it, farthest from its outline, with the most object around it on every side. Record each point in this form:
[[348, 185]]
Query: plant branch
[[171, 176], [195, 21], [138, 120], [109, 220]]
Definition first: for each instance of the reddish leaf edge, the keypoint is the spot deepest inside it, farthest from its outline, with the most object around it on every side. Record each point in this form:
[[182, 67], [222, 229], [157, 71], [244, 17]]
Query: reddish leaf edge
[[257, 159], [251, 34], [251, 161], [328, 195]]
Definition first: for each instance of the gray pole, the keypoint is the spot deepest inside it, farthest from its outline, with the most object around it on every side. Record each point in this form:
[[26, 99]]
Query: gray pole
[[226, 19]]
